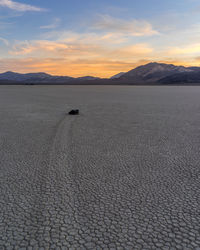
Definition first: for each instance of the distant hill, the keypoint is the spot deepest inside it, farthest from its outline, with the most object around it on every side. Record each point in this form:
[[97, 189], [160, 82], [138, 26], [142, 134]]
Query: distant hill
[[153, 72], [9, 75], [149, 74], [41, 78], [87, 78]]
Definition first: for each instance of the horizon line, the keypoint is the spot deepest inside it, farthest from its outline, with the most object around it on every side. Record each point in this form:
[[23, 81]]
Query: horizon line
[[42, 72]]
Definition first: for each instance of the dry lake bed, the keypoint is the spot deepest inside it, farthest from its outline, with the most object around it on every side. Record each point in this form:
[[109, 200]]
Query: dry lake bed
[[124, 174]]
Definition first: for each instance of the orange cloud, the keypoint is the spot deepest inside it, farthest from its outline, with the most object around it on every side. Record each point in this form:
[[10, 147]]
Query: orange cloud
[[79, 50], [60, 66]]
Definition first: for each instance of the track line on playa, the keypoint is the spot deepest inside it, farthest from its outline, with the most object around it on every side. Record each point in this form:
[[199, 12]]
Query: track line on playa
[[53, 210]]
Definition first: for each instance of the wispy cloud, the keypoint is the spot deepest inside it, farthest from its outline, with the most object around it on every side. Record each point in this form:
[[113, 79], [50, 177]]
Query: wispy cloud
[[5, 41], [76, 49], [19, 6], [131, 27], [29, 47], [87, 37], [53, 25]]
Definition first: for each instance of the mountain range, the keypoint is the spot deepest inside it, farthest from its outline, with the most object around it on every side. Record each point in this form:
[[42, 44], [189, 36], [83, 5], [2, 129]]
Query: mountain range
[[151, 73], [41, 78]]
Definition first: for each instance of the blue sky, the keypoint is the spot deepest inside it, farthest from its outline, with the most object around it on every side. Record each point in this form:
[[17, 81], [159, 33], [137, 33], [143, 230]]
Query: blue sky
[[93, 37]]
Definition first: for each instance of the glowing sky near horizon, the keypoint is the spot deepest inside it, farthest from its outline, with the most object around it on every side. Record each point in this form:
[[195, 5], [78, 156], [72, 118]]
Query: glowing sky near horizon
[[99, 38]]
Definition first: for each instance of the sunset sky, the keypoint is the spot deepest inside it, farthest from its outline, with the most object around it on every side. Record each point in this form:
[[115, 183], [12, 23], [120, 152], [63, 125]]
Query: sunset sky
[[97, 37]]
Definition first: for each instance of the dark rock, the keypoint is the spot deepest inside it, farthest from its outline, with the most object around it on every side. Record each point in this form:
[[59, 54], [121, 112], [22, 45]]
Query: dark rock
[[74, 112]]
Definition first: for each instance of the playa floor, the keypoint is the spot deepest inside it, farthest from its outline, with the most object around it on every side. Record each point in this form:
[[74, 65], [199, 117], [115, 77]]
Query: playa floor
[[124, 174]]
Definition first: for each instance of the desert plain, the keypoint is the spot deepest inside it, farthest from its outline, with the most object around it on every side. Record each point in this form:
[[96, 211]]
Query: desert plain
[[123, 174]]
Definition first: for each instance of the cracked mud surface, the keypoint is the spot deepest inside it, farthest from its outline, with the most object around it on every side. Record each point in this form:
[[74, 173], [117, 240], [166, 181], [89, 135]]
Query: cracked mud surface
[[124, 174]]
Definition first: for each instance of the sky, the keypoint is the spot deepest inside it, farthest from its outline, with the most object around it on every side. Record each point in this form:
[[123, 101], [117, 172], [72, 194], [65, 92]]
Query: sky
[[97, 37]]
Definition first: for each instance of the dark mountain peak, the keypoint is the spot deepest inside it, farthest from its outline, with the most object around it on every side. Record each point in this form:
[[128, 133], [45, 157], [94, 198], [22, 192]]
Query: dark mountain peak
[[153, 72], [88, 78], [38, 73], [152, 64], [156, 64], [160, 67], [9, 73]]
